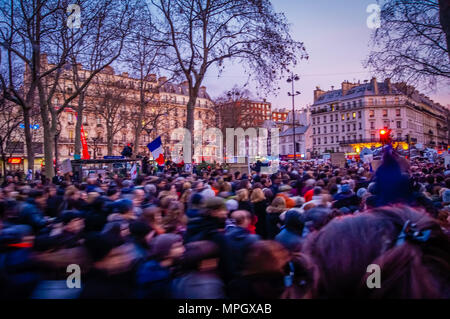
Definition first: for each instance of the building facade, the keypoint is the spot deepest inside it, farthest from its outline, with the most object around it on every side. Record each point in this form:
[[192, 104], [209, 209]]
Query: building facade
[[302, 142], [349, 119], [111, 105]]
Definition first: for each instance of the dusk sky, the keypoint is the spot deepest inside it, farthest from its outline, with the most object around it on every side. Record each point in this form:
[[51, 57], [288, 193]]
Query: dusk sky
[[336, 38]]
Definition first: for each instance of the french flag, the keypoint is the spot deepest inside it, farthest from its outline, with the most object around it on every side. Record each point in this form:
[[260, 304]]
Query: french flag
[[156, 149]]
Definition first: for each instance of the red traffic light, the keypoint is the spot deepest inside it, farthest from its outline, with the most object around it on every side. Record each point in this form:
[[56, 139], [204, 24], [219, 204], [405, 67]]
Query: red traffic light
[[382, 132]]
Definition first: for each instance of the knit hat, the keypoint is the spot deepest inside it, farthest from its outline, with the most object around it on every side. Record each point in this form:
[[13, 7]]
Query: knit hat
[[160, 246], [361, 192], [345, 188], [215, 203], [232, 205]]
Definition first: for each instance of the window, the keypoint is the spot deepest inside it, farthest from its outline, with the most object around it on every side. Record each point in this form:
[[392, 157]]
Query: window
[[324, 130], [99, 120], [343, 128], [371, 113], [343, 117], [360, 126], [332, 139], [331, 117], [360, 102], [399, 124], [354, 115], [318, 141], [385, 113], [337, 139], [331, 128], [324, 119], [348, 116], [314, 130], [70, 117], [397, 112], [360, 137], [84, 119], [318, 130], [71, 135], [348, 127], [337, 128], [336, 117], [314, 141], [318, 120], [325, 140], [372, 125], [359, 114], [354, 126]]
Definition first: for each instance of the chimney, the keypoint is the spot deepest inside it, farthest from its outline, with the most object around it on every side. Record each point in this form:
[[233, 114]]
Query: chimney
[[318, 93], [162, 80], [387, 83], [346, 86], [125, 74], [374, 83]]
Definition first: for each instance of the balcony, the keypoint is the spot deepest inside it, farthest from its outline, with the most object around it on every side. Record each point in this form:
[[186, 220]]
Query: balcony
[[368, 140]]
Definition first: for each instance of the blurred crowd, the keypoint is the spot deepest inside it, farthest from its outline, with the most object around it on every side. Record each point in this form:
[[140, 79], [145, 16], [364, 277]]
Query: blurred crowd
[[308, 231]]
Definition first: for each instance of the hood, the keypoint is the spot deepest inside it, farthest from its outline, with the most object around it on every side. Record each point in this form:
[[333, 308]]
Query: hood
[[294, 221], [237, 233], [151, 271]]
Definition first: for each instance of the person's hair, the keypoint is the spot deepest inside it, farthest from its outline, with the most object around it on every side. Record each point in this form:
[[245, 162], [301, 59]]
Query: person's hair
[[265, 256], [242, 195], [257, 195], [148, 215], [412, 269], [70, 191]]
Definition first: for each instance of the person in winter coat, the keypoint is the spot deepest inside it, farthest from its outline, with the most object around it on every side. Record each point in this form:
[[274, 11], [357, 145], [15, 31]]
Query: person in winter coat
[[259, 203], [263, 273], [154, 277], [31, 212], [201, 279], [114, 266], [274, 211], [239, 240], [18, 276], [291, 234]]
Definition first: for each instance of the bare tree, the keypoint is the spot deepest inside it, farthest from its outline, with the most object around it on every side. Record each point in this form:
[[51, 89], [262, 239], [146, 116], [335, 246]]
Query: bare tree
[[233, 109], [37, 33], [110, 106], [200, 34], [10, 119], [144, 59], [411, 43]]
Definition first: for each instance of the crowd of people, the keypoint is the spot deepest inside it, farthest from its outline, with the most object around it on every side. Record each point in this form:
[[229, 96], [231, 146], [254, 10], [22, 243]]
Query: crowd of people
[[308, 231]]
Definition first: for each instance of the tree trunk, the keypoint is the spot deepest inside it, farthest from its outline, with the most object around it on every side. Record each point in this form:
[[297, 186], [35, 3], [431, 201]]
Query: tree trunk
[[28, 138], [78, 124], [109, 141], [444, 17], [140, 116], [190, 117]]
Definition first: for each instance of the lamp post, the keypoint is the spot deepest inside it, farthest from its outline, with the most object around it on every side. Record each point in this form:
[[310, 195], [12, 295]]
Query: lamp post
[[291, 79]]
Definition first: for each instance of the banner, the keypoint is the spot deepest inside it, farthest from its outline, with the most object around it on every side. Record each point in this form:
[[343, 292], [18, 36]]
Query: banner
[[84, 144]]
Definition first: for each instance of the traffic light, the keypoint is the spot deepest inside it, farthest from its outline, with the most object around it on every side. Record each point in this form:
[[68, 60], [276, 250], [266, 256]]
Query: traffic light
[[385, 136]]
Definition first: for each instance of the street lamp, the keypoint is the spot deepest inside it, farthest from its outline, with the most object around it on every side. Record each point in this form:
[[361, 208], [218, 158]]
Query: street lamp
[[291, 79]]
